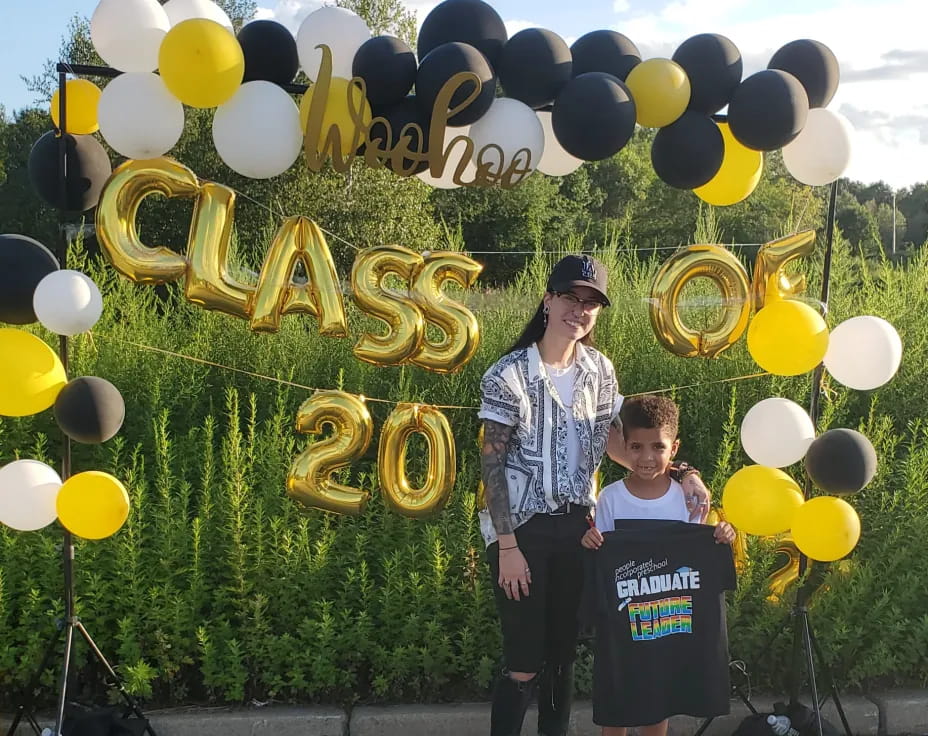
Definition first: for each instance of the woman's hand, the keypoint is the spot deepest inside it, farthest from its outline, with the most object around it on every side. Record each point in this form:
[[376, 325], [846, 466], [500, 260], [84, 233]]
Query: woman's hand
[[724, 533], [514, 573], [593, 539], [697, 498]]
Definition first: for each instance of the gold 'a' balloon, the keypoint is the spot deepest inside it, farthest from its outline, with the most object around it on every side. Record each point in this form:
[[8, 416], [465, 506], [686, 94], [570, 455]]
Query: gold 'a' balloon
[[309, 480], [299, 240], [395, 308], [739, 548], [462, 333], [770, 280], [116, 228], [725, 270], [432, 497]]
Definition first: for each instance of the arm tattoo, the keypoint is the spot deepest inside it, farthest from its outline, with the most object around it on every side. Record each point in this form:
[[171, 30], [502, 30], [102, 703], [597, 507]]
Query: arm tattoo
[[496, 438]]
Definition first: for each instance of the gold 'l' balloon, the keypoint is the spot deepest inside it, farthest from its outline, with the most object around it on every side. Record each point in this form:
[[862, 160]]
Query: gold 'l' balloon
[[115, 218], [309, 480], [462, 333], [770, 280], [725, 270], [299, 240], [395, 308], [209, 283], [432, 497]]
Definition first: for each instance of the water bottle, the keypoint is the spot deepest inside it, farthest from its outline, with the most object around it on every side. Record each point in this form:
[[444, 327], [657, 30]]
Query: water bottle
[[781, 726]]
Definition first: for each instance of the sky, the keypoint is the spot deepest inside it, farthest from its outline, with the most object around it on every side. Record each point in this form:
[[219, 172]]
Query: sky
[[882, 50]]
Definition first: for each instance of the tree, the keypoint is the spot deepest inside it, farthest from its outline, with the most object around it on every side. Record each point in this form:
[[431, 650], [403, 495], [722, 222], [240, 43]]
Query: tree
[[385, 17]]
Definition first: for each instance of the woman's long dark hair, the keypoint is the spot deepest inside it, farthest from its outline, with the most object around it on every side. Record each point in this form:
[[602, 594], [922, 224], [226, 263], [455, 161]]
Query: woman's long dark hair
[[535, 330]]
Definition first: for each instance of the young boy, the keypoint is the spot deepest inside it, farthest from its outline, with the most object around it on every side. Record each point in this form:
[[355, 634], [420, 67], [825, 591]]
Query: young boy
[[649, 425]]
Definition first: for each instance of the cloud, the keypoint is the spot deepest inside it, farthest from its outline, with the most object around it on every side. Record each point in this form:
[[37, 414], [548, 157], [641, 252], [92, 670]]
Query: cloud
[[900, 64], [514, 26], [621, 6]]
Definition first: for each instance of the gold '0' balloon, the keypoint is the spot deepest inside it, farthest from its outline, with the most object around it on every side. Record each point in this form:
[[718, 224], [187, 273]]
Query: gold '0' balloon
[[739, 548], [432, 497], [299, 240], [396, 309], [785, 575], [115, 219], [462, 334], [770, 282], [725, 270], [309, 480]]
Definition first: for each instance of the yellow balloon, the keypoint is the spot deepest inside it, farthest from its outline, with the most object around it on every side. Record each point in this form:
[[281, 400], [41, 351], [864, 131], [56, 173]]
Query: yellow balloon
[[201, 63], [787, 338], [80, 98], [31, 375], [661, 91], [761, 500], [346, 118], [93, 505], [738, 176], [826, 528]]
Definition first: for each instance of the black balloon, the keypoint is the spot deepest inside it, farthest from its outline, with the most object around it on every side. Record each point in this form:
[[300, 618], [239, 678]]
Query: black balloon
[[841, 461], [768, 110], [814, 65], [534, 66], [442, 64], [713, 65], [604, 51], [594, 116], [87, 165], [89, 410], [688, 153], [388, 67], [270, 52], [405, 112], [468, 21], [24, 262]]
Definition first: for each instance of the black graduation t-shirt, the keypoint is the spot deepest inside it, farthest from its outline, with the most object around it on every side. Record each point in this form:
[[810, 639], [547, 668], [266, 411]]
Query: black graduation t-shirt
[[657, 594]]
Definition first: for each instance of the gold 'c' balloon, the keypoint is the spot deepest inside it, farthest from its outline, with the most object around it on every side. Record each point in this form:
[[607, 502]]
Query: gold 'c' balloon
[[397, 309], [725, 270], [299, 240], [770, 282], [115, 219], [422, 502], [739, 548], [309, 480], [785, 575], [208, 281], [462, 334]]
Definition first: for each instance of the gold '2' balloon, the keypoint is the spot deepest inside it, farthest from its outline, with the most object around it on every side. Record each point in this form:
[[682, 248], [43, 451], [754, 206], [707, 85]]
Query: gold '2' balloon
[[462, 334], [395, 308], [309, 481], [725, 270], [770, 280], [785, 575], [432, 497]]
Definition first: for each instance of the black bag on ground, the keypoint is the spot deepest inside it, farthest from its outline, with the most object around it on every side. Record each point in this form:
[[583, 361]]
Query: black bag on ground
[[84, 720]]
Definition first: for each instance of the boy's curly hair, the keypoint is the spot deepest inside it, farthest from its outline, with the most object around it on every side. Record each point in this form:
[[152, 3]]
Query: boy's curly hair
[[650, 412]]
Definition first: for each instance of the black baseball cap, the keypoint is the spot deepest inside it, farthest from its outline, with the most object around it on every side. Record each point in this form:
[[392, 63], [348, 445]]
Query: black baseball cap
[[580, 270]]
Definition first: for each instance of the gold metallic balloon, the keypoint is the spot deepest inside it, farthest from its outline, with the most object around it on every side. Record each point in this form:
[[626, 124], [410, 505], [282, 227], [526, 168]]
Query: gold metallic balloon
[[739, 548], [785, 575], [115, 219], [462, 334], [395, 308], [209, 284], [770, 281], [299, 240], [309, 480], [416, 503]]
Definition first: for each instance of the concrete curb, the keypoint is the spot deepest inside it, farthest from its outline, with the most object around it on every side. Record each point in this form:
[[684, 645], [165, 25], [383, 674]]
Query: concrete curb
[[902, 711]]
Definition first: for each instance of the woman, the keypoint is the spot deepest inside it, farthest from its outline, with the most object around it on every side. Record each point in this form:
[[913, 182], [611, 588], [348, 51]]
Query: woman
[[550, 409]]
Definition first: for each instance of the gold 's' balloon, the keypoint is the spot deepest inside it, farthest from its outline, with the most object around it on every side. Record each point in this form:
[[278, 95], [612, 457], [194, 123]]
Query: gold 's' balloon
[[770, 281], [309, 480], [432, 497]]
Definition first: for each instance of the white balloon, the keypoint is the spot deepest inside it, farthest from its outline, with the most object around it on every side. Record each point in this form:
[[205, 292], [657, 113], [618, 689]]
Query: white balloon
[[776, 432], [341, 30], [180, 10], [67, 302], [257, 133], [446, 180], [138, 117], [513, 126], [821, 153], [555, 161], [863, 353], [128, 33], [28, 491]]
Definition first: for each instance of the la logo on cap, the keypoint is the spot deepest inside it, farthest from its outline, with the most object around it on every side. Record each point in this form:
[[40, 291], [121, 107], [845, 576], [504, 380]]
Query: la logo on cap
[[588, 270]]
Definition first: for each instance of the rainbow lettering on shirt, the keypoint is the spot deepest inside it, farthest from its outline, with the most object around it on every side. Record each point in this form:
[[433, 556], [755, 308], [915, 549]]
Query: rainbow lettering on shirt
[[657, 619]]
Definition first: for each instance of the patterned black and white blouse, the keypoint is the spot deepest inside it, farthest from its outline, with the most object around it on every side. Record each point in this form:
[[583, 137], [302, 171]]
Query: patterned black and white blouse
[[517, 391]]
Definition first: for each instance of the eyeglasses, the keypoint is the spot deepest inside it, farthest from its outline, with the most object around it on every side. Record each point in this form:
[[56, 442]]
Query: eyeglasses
[[590, 306]]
